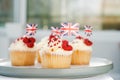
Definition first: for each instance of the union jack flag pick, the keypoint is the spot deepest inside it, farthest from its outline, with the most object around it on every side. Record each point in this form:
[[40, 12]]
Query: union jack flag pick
[[56, 31], [88, 30], [31, 29], [69, 29]]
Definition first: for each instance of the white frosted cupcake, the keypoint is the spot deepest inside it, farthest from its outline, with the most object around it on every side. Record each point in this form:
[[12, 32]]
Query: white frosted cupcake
[[23, 51], [82, 48], [39, 46], [56, 53]]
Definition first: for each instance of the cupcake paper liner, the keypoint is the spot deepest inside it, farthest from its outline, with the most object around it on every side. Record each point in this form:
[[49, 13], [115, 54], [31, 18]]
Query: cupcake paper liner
[[81, 57], [22, 58]]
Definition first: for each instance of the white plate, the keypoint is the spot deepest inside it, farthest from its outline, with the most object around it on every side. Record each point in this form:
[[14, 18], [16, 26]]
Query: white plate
[[97, 66]]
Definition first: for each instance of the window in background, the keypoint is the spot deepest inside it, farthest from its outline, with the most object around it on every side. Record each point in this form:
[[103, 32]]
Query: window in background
[[38, 11], [6, 11], [101, 14], [111, 14], [52, 12]]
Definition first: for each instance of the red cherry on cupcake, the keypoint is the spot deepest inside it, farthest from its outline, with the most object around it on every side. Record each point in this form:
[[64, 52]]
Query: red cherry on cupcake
[[88, 42]]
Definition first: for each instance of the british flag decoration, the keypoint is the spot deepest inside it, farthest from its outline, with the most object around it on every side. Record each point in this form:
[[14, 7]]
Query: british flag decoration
[[31, 29], [88, 30], [69, 29], [56, 31]]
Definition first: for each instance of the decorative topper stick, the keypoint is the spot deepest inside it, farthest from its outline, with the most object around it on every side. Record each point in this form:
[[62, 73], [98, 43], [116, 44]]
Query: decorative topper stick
[[69, 29], [56, 31], [31, 29], [88, 30]]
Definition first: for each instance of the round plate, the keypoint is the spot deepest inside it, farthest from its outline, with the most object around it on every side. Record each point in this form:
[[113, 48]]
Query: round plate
[[97, 66]]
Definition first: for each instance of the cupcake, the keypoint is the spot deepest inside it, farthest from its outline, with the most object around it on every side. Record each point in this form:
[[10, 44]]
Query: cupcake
[[56, 53], [39, 46], [23, 51], [82, 48]]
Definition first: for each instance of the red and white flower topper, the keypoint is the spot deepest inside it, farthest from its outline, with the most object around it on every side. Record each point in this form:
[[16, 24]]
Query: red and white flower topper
[[56, 31], [69, 29], [31, 29], [88, 30]]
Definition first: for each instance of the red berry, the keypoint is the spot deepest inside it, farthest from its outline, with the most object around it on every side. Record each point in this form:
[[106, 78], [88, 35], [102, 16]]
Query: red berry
[[88, 42], [32, 39], [30, 45], [25, 40]]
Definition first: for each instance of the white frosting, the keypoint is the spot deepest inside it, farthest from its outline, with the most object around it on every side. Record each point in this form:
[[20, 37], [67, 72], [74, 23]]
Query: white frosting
[[42, 43], [78, 44], [54, 47], [58, 51], [21, 46]]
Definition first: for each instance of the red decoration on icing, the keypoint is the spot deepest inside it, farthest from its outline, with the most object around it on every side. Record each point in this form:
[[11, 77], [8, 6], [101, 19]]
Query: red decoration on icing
[[54, 44], [55, 39], [66, 46], [88, 42], [30, 45], [29, 41], [65, 42], [51, 36], [52, 39], [32, 39], [25, 40], [59, 41]]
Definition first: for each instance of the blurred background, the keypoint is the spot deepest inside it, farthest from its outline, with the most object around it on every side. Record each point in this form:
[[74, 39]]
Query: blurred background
[[103, 15]]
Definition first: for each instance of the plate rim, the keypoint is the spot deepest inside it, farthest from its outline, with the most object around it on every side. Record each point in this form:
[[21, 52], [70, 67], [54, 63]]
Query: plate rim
[[24, 67], [109, 67]]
